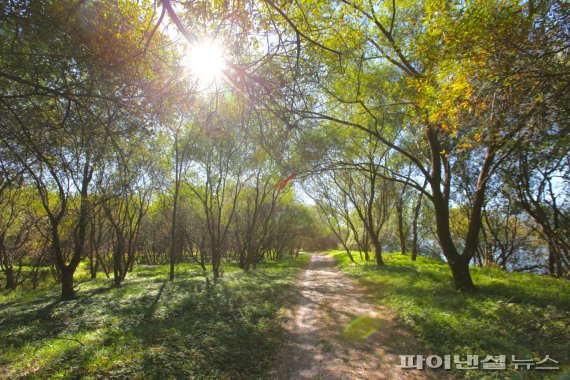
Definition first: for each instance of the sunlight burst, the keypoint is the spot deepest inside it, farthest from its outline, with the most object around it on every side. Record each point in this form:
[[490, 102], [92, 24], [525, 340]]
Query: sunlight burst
[[206, 62]]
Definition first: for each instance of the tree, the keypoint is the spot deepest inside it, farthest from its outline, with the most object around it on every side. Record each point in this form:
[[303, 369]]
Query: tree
[[66, 91], [216, 180], [254, 212], [538, 178], [127, 195], [18, 232], [333, 207], [181, 133], [449, 78]]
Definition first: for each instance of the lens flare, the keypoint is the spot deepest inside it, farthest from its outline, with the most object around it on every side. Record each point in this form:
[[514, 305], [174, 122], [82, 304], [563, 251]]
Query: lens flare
[[206, 62]]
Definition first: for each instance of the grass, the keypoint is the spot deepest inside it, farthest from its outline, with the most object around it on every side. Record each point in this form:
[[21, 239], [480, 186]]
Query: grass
[[149, 328], [517, 314]]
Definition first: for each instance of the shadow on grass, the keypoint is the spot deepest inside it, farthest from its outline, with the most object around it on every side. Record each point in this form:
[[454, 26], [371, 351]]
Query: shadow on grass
[[511, 314], [440, 283], [151, 328]]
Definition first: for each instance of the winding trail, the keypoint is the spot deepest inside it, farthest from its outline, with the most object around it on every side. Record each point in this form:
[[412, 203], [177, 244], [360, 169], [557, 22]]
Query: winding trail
[[337, 332]]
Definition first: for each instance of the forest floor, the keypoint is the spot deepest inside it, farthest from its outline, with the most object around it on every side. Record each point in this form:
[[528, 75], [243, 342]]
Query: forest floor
[[510, 314], [150, 328], [316, 316], [338, 332]]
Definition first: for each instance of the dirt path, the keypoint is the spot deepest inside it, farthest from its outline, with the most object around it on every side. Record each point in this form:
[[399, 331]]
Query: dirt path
[[337, 333]]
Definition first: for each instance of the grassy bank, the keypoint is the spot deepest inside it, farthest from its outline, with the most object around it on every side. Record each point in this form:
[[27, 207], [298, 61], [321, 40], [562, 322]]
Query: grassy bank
[[149, 327], [511, 313]]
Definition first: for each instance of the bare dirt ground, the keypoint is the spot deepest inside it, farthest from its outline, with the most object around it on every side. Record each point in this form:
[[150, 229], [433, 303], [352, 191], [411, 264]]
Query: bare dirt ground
[[337, 332]]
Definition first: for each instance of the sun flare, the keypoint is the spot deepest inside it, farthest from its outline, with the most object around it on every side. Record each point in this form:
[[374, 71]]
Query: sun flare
[[206, 62]]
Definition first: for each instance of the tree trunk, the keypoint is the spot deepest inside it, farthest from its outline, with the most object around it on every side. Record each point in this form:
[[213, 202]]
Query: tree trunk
[[93, 266], [243, 262], [10, 278], [173, 247], [461, 275], [174, 225], [103, 265], [67, 292], [489, 261], [399, 209], [551, 261], [378, 251], [440, 183], [35, 277], [118, 264], [458, 264], [554, 261], [347, 249], [417, 210], [216, 269], [366, 245], [172, 261]]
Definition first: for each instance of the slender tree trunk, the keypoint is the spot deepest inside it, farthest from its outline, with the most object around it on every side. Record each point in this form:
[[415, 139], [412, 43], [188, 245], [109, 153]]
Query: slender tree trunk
[[242, 260], [118, 264], [378, 251], [173, 240], [216, 266], [93, 265], [417, 210], [103, 265], [489, 257], [347, 249], [10, 277], [366, 246], [554, 262], [67, 272], [551, 261], [67, 292], [35, 278], [400, 211]]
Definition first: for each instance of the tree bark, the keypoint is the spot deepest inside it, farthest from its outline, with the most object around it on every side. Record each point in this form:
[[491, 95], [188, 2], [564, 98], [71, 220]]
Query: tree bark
[[93, 266], [378, 252], [174, 225], [417, 210], [216, 266], [551, 268], [118, 262], [461, 275], [173, 245], [400, 211], [458, 264], [10, 278], [67, 292], [440, 184]]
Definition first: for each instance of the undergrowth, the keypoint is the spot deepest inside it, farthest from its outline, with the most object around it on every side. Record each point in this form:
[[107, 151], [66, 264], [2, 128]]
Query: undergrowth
[[149, 327]]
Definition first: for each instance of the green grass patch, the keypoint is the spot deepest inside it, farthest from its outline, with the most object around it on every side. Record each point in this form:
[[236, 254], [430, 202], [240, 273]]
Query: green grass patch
[[149, 327], [517, 314]]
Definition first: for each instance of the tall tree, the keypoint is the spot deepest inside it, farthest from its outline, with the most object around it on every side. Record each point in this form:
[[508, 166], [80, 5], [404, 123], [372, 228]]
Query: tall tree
[[68, 78], [450, 77]]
